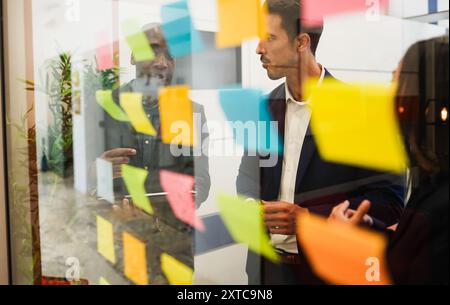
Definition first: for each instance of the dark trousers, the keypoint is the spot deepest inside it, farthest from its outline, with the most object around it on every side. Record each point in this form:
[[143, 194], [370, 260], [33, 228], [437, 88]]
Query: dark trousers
[[292, 270]]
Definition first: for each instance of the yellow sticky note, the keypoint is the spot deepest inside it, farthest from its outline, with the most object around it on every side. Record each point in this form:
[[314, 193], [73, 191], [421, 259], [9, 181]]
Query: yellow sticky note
[[240, 20], [105, 239], [137, 40], [105, 100], [103, 281], [244, 221], [176, 272], [356, 125], [176, 116], [342, 254], [132, 104], [134, 259], [134, 179]]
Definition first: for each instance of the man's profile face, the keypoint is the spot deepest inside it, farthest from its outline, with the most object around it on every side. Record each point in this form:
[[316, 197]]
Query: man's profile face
[[161, 68], [278, 53]]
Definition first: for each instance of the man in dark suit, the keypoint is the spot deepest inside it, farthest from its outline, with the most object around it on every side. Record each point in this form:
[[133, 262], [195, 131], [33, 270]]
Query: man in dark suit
[[301, 181]]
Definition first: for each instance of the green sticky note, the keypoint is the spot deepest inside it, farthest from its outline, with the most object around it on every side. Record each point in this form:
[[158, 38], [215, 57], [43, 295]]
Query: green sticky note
[[103, 281], [138, 42], [105, 100], [134, 179], [244, 221]]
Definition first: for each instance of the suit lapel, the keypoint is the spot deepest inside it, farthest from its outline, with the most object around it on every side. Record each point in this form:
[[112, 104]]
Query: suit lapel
[[308, 149], [272, 175]]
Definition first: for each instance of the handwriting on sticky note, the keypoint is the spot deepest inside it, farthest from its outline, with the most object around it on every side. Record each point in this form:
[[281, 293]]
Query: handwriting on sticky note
[[339, 253], [134, 179], [175, 271], [181, 36], [105, 100], [178, 188], [240, 20], [135, 259], [105, 182], [176, 116], [356, 125], [104, 51], [105, 239], [244, 220], [137, 40], [132, 104]]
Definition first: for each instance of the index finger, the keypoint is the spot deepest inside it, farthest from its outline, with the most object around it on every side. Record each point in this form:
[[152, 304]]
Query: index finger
[[119, 152], [274, 208]]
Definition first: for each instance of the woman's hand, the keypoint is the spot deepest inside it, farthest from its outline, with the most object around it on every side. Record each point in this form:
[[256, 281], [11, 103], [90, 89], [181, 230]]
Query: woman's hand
[[341, 213]]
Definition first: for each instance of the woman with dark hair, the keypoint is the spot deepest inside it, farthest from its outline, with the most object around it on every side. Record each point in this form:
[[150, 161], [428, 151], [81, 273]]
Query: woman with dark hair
[[418, 250]]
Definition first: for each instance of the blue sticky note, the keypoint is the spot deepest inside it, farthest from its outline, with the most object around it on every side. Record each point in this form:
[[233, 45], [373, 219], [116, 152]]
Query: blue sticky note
[[181, 36], [248, 112]]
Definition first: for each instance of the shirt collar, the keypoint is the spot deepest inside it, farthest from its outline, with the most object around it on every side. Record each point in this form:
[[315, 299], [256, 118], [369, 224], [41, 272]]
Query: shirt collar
[[289, 96]]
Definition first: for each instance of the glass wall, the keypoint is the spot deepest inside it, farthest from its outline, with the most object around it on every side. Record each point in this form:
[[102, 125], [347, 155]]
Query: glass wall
[[100, 188]]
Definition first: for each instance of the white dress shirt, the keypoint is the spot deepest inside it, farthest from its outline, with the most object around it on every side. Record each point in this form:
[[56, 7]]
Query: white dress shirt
[[298, 116]]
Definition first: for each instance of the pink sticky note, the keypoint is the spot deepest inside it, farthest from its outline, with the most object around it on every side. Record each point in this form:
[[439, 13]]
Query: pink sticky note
[[104, 52], [178, 188], [313, 11]]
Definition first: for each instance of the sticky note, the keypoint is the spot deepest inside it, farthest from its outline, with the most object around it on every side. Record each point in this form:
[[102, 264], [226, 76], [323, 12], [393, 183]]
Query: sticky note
[[248, 114], [134, 259], [240, 20], [342, 254], [137, 40], [176, 272], [178, 188], [105, 239], [104, 51], [177, 117], [105, 100], [132, 104], [105, 179], [103, 281], [134, 179], [181, 36], [244, 221], [356, 125], [313, 11]]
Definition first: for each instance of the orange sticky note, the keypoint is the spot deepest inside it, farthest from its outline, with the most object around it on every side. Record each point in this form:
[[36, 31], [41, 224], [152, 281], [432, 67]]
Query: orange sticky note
[[176, 272], [132, 104], [176, 116], [105, 239], [341, 254], [240, 20], [134, 259], [178, 188], [355, 124]]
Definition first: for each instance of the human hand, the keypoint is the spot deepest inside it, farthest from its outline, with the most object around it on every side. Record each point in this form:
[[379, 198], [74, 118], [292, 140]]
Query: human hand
[[281, 217]]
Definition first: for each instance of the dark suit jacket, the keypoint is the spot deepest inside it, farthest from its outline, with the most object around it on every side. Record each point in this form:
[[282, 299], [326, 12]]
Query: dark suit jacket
[[320, 185]]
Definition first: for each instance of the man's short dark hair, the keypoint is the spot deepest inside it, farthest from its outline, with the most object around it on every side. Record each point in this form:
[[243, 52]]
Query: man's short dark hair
[[289, 11]]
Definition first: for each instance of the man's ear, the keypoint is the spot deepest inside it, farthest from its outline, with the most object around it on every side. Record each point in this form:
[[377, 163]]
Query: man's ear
[[132, 61], [303, 42]]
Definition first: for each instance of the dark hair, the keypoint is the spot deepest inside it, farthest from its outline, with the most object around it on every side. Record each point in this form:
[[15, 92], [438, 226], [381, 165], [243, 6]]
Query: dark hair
[[289, 11], [421, 97]]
